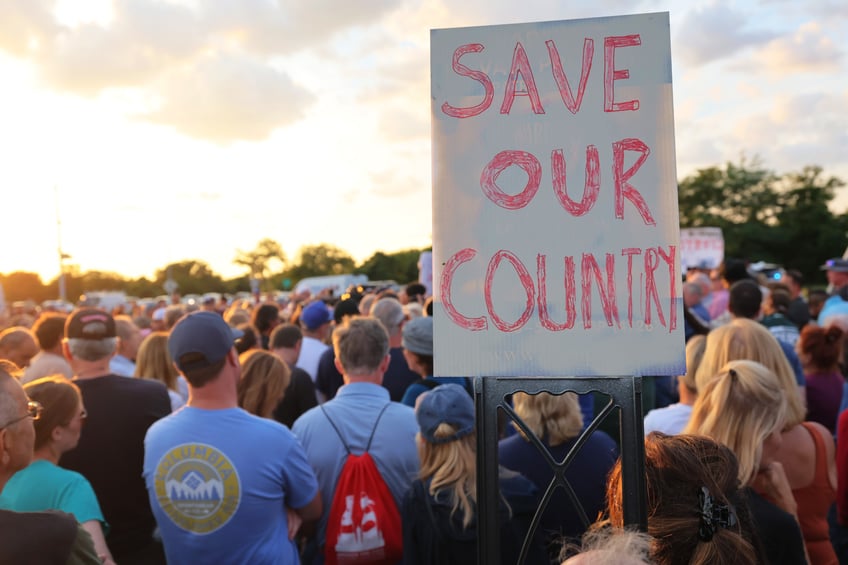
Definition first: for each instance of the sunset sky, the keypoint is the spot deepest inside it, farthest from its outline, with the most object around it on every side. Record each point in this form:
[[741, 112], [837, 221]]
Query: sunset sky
[[187, 129]]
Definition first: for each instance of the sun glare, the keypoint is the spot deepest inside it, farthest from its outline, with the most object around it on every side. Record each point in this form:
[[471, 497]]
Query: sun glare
[[73, 13]]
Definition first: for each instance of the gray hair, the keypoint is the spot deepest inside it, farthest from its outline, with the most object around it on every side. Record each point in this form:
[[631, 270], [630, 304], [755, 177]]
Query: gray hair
[[361, 345], [92, 349], [8, 406], [172, 314], [390, 313]]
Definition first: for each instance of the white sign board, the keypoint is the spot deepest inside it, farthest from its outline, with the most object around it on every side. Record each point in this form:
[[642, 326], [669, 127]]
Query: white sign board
[[555, 200], [702, 248]]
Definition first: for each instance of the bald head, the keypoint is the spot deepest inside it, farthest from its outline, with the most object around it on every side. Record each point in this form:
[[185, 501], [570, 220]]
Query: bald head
[[17, 434], [8, 406], [17, 344]]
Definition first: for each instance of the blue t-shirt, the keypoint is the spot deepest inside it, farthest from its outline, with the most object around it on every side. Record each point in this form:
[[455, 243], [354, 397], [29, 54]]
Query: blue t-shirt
[[219, 482], [45, 486]]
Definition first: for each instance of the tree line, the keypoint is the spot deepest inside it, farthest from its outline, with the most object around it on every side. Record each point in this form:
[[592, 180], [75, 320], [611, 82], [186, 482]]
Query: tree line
[[785, 219], [267, 263]]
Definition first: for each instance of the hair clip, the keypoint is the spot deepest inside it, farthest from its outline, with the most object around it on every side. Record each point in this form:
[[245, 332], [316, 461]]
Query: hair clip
[[732, 373], [714, 515]]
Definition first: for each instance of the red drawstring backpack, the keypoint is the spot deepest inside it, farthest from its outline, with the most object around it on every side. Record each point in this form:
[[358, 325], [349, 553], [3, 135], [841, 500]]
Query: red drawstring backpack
[[364, 524]]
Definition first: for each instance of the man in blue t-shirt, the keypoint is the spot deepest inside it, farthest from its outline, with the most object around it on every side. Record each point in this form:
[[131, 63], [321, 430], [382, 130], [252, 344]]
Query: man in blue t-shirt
[[221, 481]]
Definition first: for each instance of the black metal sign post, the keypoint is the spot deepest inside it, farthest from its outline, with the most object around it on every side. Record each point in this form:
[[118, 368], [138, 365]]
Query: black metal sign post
[[625, 395]]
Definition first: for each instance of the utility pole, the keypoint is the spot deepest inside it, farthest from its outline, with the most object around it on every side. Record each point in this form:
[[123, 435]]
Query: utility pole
[[62, 290]]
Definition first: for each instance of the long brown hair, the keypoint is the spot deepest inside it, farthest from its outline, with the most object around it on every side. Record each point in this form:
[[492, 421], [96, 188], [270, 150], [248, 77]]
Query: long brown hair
[[263, 383], [676, 468], [153, 361], [60, 398], [820, 348]]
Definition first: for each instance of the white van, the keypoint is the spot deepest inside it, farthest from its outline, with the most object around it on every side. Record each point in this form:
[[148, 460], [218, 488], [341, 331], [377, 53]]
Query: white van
[[338, 284]]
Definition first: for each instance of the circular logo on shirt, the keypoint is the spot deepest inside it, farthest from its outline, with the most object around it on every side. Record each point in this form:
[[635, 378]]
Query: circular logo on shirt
[[197, 487]]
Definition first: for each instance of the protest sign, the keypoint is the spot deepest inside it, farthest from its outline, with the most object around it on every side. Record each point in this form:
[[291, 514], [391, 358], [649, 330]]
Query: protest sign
[[702, 248], [555, 199]]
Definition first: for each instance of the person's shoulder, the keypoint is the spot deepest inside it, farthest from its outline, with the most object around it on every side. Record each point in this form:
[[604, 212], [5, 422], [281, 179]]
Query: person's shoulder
[[298, 375], [514, 451], [309, 419], [136, 385], [401, 410], [517, 489], [47, 522], [147, 385]]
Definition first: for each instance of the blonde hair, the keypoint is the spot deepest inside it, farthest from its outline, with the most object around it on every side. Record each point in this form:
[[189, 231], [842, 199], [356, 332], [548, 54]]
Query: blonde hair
[[746, 339], [609, 546], [263, 383], [556, 418], [694, 355], [451, 466], [740, 408], [153, 361]]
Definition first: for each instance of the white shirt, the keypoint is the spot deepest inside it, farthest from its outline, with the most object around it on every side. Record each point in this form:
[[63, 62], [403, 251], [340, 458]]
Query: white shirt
[[120, 365], [310, 354], [669, 420]]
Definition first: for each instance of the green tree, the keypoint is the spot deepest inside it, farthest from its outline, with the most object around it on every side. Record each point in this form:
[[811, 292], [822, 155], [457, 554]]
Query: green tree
[[192, 276], [809, 230], [21, 285], [785, 220], [735, 194], [401, 266], [100, 280], [143, 287], [321, 259], [260, 260]]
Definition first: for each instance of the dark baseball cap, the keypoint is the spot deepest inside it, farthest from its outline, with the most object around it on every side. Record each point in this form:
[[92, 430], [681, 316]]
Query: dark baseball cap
[[90, 323], [836, 265], [204, 334], [445, 404]]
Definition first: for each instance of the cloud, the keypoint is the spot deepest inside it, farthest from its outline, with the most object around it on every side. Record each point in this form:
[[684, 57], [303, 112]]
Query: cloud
[[229, 96], [797, 130], [716, 32], [807, 50], [23, 23], [404, 125], [391, 184], [286, 26], [211, 67]]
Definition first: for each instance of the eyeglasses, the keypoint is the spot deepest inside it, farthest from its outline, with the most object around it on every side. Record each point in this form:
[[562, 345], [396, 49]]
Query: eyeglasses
[[33, 411]]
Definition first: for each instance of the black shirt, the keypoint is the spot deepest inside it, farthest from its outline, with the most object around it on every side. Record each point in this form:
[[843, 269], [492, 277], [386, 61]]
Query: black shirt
[[110, 453]]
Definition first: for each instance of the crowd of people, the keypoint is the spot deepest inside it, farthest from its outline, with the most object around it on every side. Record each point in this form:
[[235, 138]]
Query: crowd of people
[[315, 431]]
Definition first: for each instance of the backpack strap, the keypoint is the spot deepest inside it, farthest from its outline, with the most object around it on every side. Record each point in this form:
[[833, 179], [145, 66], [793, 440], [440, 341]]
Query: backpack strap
[[380, 415], [339, 433]]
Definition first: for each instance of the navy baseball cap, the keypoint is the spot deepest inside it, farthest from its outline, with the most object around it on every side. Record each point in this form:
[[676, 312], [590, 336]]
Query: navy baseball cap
[[836, 265], [445, 404], [204, 334]]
